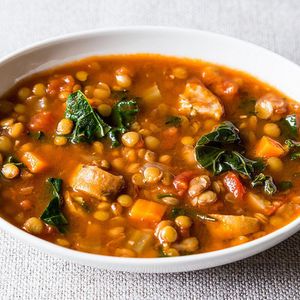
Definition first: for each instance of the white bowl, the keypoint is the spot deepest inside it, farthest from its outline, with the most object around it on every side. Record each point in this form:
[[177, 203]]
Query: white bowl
[[265, 65]]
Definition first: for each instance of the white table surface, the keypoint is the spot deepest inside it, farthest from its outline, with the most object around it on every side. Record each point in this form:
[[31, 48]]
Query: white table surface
[[26, 273]]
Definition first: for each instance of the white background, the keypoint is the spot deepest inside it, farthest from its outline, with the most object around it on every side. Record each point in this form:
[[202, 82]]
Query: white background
[[26, 273]]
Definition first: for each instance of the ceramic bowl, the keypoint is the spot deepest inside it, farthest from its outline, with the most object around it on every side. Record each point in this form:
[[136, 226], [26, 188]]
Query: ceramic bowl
[[263, 64]]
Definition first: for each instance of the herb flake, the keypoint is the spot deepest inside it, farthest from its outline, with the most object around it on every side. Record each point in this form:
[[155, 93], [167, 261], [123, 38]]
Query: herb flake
[[37, 135], [284, 185], [173, 121], [181, 211]]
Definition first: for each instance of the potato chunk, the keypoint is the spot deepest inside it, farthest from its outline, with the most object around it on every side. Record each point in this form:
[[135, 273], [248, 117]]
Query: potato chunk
[[199, 100], [95, 182], [229, 227]]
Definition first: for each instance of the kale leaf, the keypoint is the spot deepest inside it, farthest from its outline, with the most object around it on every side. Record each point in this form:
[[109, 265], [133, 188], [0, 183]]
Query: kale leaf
[[244, 165], [284, 185], [12, 160], [53, 215], [37, 135], [183, 211], [265, 181], [220, 151], [225, 133], [88, 124], [161, 196], [289, 127], [124, 111], [215, 152], [123, 115], [294, 149], [247, 105], [173, 121]]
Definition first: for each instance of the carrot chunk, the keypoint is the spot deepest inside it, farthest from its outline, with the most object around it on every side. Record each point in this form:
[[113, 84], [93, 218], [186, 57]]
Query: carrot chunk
[[267, 147], [147, 212], [33, 162]]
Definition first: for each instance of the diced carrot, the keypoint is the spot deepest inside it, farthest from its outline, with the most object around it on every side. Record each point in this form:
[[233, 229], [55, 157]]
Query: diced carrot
[[43, 121], [267, 147], [234, 185], [33, 162], [147, 212]]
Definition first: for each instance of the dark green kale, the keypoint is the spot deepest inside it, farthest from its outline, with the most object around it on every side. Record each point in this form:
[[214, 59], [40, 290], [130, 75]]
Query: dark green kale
[[53, 215], [173, 121]]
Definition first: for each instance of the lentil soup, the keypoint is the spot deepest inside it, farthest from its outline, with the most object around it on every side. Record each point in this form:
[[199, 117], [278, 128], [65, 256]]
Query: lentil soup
[[148, 156]]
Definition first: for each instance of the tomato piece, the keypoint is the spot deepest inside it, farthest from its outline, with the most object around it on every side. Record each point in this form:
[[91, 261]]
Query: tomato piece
[[140, 144], [182, 180], [43, 121], [226, 89], [234, 185], [169, 138], [60, 84]]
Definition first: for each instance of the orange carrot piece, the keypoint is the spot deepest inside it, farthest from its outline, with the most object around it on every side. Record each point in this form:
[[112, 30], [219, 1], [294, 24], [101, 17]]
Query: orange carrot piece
[[147, 212], [267, 147], [33, 162]]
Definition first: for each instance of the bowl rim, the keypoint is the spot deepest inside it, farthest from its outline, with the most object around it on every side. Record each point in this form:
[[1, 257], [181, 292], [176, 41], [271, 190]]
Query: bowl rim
[[272, 238]]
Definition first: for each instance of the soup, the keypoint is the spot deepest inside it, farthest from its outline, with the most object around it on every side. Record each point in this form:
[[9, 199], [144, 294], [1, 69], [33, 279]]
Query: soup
[[148, 156]]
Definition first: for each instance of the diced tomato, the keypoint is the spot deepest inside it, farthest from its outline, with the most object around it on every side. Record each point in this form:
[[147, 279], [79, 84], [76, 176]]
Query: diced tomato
[[169, 138], [43, 121], [60, 84], [234, 185], [226, 89], [181, 181], [273, 208], [140, 144]]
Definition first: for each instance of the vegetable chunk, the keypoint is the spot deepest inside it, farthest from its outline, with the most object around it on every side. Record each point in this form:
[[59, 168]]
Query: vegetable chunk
[[234, 185], [147, 212], [229, 227], [267, 147], [96, 182], [198, 100], [33, 162]]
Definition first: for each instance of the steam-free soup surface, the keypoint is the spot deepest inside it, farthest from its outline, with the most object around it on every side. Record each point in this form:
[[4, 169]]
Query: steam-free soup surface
[[148, 156]]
